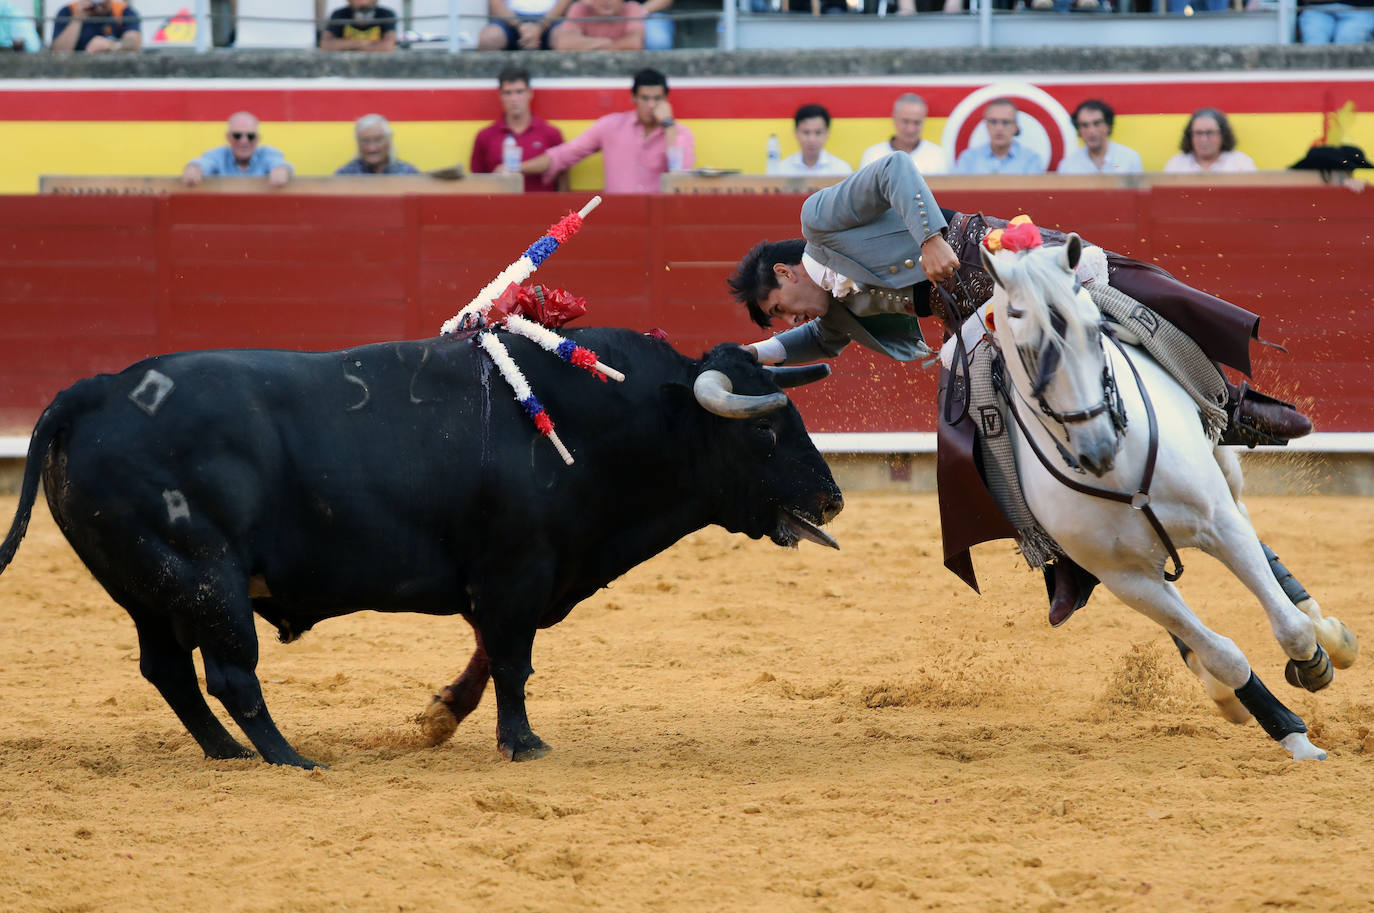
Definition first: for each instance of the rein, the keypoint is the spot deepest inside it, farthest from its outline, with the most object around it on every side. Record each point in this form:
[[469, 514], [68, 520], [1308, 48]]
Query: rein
[[1140, 500]]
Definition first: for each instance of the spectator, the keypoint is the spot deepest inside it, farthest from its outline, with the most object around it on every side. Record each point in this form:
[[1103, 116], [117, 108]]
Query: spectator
[[1002, 153], [535, 135], [17, 31], [908, 121], [1209, 144], [1187, 7], [520, 24], [1348, 22], [811, 124], [1337, 165], [635, 146], [817, 7], [659, 28], [1099, 154], [97, 26], [600, 25], [373, 134], [241, 155], [360, 26]]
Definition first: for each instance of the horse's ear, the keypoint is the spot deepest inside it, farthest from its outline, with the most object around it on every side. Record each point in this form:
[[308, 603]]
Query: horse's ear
[[1073, 250], [988, 259]]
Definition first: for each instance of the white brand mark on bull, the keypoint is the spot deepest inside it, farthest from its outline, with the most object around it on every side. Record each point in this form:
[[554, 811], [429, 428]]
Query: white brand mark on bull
[[177, 508], [151, 391]]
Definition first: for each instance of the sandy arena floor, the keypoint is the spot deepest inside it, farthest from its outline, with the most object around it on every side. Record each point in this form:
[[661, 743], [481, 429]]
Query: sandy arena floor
[[735, 727]]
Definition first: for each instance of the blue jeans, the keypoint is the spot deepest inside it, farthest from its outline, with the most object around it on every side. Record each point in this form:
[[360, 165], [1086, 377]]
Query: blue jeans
[[1199, 6], [658, 32], [1336, 23]]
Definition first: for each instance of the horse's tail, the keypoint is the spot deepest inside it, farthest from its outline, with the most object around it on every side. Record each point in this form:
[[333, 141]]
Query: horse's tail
[[55, 419]]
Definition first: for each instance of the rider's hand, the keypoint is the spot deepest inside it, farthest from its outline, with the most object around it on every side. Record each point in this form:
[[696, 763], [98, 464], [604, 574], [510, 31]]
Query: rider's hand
[[937, 258]]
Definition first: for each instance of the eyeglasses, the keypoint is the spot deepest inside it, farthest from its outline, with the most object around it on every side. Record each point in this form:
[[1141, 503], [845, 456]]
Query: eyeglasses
[[1205, 132], [999, 122], [251, 137]]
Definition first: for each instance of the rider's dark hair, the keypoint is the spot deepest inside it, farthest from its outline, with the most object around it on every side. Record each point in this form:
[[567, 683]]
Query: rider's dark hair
[[754, 278]]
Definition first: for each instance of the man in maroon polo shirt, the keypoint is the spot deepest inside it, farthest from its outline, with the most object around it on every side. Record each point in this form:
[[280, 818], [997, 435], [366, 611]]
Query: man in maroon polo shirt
[[534, 135]]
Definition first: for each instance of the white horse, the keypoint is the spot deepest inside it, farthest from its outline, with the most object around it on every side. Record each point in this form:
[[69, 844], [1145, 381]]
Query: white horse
[[1154, 483]]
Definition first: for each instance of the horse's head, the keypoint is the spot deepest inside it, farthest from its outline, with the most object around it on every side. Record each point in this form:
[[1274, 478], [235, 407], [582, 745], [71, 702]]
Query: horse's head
[[1050, 334]]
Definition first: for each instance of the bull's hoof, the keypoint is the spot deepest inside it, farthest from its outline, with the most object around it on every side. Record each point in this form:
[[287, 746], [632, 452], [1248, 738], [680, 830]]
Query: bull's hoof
[[528, 749], [437, 722], [1313, 674]]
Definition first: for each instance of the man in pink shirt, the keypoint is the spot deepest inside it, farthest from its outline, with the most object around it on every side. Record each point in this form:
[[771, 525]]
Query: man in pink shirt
[[534, 135], [601, 25], [637, 147]]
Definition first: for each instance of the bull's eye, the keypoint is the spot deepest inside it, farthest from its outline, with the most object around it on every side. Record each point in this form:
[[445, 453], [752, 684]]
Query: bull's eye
[[765, 432]]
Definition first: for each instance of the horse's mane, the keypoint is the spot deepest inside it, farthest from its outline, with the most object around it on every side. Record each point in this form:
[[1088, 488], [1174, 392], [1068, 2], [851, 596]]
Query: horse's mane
[[1037, 276]]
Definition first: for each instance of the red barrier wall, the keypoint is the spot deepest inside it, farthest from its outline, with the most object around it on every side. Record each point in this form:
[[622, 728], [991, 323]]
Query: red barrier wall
[[92, 284]]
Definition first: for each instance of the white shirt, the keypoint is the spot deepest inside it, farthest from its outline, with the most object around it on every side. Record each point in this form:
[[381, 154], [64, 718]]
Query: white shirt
[[1118, 160], [928, 157], [825, 164], [1235, 160]]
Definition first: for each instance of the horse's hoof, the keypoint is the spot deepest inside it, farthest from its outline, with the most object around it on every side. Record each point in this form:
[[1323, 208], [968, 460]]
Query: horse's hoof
[[1313, 674], [437, 722], [1340, 642], [1301, 748]]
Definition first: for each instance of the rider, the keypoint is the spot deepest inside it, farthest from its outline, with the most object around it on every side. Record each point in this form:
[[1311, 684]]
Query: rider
[[862, 273]]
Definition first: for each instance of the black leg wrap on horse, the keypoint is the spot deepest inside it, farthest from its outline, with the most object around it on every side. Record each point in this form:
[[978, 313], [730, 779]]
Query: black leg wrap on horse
[[1268, 711], [1294, 590], [1314, 674]]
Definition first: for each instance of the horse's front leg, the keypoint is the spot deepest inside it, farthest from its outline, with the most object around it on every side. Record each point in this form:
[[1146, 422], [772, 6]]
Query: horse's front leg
[[1233, 542], [1159, 601]]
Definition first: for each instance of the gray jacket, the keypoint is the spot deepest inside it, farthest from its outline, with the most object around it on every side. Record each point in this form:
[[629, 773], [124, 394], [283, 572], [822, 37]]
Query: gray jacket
[[869, 228]]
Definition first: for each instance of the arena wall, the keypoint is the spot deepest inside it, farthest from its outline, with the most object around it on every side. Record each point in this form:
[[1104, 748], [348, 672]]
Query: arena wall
[[92, 284]]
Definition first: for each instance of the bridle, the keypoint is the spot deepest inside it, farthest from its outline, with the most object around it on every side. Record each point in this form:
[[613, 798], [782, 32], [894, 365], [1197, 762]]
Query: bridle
[[1111, 400]]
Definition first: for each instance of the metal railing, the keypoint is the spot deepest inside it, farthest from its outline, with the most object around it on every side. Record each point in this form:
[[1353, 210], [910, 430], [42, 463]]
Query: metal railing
[[981, 26]]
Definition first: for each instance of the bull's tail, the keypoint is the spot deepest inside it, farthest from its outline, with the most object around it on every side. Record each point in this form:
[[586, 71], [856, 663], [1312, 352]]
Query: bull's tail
[[58, 416]]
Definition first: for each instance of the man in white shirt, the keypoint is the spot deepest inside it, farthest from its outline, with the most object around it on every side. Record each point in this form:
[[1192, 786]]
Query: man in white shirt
[[1099, 154], [908, 120], [811, 124]]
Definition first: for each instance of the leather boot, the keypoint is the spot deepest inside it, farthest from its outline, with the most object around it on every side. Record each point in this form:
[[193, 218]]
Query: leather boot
[[1255, 418], [1069, 587]]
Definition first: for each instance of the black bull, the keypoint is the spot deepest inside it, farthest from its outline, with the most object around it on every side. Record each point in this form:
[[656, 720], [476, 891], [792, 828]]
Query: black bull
[[202, 487]]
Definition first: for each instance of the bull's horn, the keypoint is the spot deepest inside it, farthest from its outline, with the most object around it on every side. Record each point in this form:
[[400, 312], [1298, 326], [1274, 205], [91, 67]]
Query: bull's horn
[[796, 375], [713, 391]]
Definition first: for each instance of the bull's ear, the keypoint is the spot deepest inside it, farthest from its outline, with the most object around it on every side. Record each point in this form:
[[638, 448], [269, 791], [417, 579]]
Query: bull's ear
[[1073, 251], [989, 262]]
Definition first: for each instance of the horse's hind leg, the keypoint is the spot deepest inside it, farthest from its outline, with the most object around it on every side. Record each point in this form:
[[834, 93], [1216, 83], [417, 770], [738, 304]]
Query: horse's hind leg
[[1159, 601]]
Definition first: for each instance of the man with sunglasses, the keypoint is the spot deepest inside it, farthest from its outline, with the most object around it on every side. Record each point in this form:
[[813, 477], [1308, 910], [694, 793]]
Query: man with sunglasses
[[241, 156]]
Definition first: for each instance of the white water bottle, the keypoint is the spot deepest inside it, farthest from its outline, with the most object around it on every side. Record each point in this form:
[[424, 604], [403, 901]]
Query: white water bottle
[[511, 154], [773, 154]]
